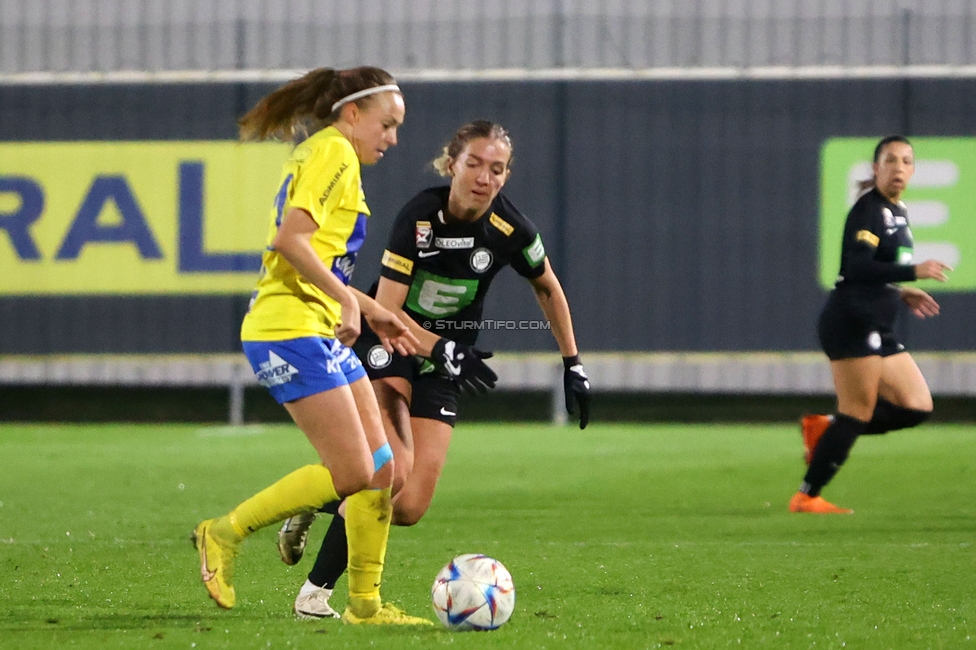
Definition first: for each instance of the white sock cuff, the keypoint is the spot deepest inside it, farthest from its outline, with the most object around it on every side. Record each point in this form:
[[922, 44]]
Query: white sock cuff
[[308, 588]]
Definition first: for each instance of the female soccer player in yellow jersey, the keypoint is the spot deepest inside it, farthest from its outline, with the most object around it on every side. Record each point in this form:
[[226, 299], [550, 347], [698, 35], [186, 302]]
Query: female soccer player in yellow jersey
[[302, 317], [447, 245]]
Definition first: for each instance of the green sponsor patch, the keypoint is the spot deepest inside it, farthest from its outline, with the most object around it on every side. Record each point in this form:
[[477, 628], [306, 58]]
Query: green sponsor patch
[[437, 297], [941, 204], [535, 252]]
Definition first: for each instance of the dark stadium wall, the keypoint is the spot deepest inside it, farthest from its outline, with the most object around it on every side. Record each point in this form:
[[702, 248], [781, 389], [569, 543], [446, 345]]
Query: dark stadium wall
[[680, 215]]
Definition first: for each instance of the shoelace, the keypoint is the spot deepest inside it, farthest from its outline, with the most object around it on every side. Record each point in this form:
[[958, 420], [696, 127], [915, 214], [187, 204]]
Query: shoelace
[[321, 596]]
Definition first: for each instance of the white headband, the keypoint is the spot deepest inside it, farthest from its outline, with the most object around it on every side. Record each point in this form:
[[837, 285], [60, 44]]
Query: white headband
[[364, 93]]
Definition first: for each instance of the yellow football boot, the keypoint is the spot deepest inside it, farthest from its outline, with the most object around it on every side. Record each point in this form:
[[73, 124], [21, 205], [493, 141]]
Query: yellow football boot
[[216, 564], [386, 615]]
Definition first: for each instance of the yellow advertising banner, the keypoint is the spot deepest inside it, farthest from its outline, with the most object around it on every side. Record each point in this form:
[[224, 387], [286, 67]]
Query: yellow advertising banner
[[129, 218]]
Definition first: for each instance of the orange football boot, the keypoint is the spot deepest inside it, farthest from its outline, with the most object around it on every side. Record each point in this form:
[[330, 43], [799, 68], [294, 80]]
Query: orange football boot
[[805, 503], [812, 427]]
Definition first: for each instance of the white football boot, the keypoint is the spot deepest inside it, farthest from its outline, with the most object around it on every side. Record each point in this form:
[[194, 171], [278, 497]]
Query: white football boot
[[315, 605]]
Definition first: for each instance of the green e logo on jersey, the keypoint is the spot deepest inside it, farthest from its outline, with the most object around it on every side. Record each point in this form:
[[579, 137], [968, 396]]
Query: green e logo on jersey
[[535, 252], [436, 296], [941, 211]]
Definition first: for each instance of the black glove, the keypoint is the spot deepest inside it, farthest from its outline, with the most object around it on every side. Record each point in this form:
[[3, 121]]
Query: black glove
[[465, 365], [577, 387]]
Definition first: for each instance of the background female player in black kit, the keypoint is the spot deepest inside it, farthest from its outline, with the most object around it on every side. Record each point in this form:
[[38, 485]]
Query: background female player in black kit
[[879, 387], [446, 246]]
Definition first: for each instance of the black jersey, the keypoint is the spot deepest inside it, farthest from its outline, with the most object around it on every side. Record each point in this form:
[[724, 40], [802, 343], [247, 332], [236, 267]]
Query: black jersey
[[878, 244], [859, 317], [449, 264]]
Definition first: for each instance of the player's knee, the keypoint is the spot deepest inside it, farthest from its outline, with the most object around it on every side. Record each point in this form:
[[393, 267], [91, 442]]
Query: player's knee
[[922, 403], [911, 411], [407, 513], [859, 407], [401, 471], [352, 482], [407, 518], [353, 477], [858, 412]]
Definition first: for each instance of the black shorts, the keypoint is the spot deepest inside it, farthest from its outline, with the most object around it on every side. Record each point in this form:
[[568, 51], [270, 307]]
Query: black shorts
[[859, 322], [435, 396]]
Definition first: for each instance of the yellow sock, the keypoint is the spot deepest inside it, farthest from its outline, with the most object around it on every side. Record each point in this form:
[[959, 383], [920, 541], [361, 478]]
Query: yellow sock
[[368, 516], [304, 489]]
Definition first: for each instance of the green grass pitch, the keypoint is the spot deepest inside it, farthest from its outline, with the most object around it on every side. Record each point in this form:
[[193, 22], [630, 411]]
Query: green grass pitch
[[630, 536]]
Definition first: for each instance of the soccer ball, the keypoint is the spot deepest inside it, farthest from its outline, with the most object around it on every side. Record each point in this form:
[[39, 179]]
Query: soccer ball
[[473, 592]]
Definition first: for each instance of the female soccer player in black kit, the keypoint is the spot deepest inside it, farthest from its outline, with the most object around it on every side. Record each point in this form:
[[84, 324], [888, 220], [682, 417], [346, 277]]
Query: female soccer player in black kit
[[446, 246], [879, 387]]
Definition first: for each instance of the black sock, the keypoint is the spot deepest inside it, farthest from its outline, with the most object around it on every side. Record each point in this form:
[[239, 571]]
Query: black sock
[[831, 452], [332, 507], [333, 556], [888, 417]]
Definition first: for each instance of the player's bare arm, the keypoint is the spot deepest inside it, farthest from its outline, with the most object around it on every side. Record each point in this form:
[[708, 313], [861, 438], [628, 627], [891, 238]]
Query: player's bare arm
[[551, 298], [391, 329], [294, 242], [391, 295]]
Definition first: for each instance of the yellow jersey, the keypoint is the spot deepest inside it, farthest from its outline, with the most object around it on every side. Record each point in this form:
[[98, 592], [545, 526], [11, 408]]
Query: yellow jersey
[[322, 177]]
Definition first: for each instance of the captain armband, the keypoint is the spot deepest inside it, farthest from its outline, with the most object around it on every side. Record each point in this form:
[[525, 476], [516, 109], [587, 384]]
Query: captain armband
[[867, 237], [397, 263]]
